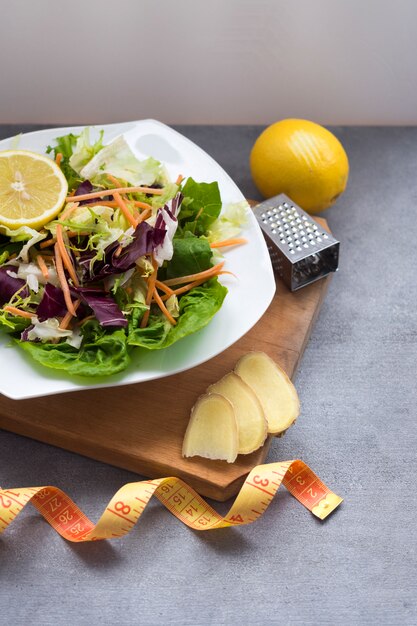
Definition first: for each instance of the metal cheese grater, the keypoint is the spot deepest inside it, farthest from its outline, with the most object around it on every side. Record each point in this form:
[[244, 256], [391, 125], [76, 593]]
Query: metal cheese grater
[[301, 250]]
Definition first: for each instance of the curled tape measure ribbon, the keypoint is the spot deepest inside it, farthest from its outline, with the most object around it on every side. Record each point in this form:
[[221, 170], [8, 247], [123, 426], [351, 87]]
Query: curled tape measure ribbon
[[127, 505]]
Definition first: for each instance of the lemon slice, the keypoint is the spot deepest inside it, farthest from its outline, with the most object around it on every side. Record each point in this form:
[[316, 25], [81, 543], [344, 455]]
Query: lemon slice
[[32, 189]]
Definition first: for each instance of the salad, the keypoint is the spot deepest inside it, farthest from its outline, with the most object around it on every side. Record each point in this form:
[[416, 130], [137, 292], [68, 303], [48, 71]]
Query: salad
[[131, 261]]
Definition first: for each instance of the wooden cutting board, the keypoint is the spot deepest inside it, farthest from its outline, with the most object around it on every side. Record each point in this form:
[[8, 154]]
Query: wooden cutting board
[[141, 427]]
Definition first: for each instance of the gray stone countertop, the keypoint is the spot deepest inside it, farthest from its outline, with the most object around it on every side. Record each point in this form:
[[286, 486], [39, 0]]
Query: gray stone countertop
[[357, 384]]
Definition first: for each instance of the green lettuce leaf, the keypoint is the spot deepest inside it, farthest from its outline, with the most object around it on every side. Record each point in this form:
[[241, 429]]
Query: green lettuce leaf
[[201, 206], [191, 255], [197, 307], [102, 353], [7, 248], [65, 145], [13, 323], [23, 234]]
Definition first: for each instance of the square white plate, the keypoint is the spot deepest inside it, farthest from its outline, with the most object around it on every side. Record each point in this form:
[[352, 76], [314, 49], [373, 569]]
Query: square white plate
[[250, 293]]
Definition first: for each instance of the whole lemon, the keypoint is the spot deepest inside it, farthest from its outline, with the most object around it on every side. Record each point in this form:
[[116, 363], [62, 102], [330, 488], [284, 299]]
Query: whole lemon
[[301, 159]]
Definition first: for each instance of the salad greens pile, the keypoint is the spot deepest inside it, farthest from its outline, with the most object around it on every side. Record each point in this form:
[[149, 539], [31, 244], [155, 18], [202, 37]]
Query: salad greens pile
[[116, 270]]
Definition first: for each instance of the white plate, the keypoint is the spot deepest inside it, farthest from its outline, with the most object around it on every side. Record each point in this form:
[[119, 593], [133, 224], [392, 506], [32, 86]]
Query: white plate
[[249, 294]]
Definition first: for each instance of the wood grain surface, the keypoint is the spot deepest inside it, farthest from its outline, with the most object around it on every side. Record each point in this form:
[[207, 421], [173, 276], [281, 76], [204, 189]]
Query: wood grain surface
[[141, 427]]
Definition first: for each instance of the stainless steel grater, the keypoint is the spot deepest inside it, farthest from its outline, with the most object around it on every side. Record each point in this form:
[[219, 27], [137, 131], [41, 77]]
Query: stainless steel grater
[[301, 250]]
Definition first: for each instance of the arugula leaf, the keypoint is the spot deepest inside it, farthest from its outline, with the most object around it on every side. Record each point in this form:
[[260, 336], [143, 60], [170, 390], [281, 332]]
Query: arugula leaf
[[102, 352], [197, 307], [191, 255], [201, 206]]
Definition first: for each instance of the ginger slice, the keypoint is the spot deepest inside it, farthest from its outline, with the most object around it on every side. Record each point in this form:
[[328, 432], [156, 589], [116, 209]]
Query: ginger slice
[[251, 422], [212, 430], [273, 388]]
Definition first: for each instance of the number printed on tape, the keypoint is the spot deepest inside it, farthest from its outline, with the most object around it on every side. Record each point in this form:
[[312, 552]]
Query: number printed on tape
[[128, 504]]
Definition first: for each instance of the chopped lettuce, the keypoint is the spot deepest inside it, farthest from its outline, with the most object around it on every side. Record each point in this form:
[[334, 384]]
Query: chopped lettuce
[[47, 330], [118, 159], [84, 151], [229, 223]]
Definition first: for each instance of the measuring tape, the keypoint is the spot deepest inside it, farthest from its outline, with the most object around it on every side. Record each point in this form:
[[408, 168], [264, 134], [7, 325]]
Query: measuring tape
[[128, 504]]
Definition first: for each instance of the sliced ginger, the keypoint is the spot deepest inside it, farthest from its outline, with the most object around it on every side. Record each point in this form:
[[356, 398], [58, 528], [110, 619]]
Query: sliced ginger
[[237, 412], [212, 430], [250, 418], [273, 388]]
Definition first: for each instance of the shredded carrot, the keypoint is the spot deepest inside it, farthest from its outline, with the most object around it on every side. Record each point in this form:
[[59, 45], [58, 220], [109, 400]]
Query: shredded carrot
[[163, 308], [229, 242], [42, 266], [212, 271], [186, 288], [70, 233], [164, 288], [151, 281], [114, 180], [144, 216], [150, 292], [110, 203], [69, 210], [65, 256], [142, 205], [145, 318], [124, 209], [111, 192], [118, 251], [15, 311], [179, 179], [113, 204], [58, 159], [195, 283], [87, 317], [68, 317], [63, 281], [47, 243]]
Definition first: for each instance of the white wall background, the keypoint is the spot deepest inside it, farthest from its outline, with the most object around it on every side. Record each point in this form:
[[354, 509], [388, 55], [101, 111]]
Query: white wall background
[[208, 61]]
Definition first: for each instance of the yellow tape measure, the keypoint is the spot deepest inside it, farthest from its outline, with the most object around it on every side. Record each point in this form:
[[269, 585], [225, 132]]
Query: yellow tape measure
[[128, 504]]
